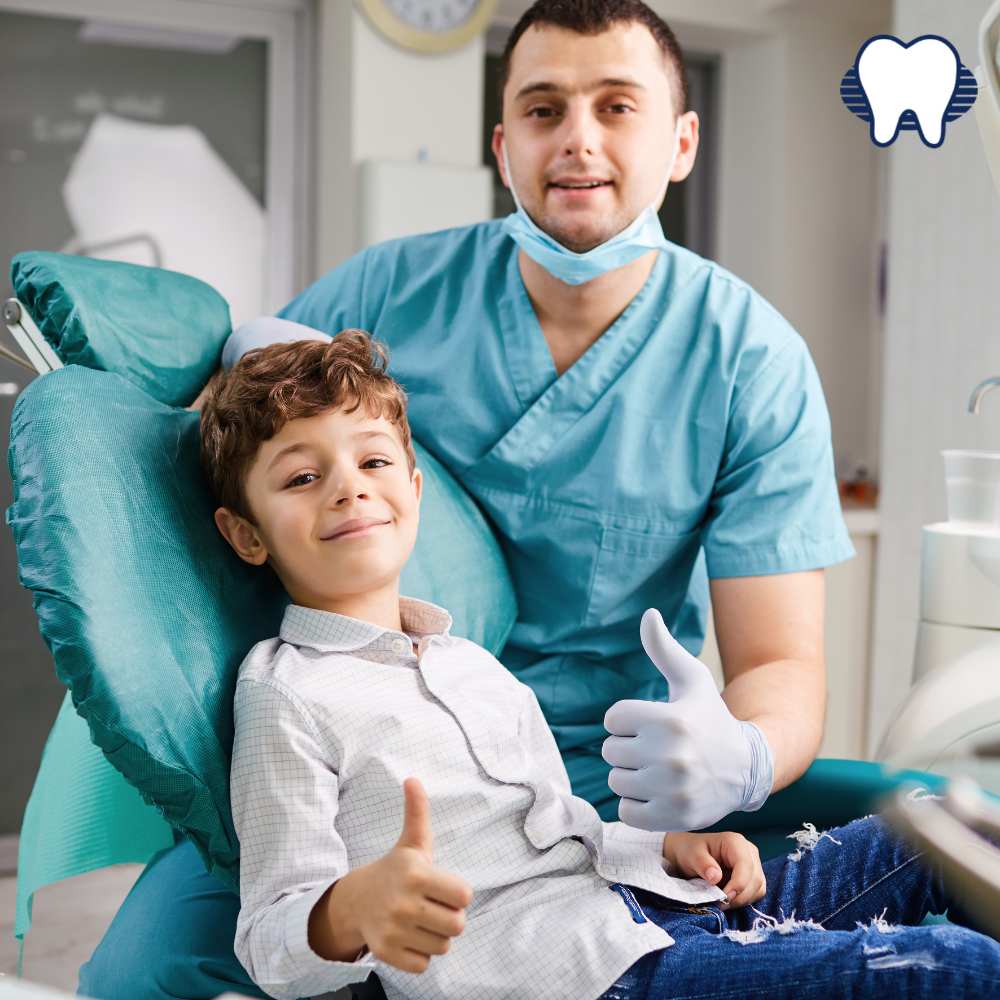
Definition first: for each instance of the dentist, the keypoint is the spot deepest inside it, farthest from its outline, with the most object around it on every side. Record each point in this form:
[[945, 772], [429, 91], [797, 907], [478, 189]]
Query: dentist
[[638, 424], [641, 428]]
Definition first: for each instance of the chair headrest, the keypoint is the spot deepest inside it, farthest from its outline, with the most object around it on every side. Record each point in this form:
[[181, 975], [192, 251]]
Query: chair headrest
[[161, 330]]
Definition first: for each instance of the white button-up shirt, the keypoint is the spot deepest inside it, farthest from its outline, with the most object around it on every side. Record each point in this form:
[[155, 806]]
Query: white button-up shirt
[[331, 718]]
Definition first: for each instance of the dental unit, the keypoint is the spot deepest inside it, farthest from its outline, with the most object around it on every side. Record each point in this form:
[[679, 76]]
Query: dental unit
[[949, 721]]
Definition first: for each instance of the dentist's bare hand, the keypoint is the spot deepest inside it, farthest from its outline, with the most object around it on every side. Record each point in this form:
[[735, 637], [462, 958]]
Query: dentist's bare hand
[[401, 908]]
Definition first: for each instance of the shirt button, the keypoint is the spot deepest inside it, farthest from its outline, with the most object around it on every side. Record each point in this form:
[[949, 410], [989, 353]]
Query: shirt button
[[534, 832], [488, 760], [398, 645]]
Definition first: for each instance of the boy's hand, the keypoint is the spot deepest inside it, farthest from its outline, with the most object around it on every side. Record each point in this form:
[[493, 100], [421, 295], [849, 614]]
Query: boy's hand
[[400, 907], [718, 856]]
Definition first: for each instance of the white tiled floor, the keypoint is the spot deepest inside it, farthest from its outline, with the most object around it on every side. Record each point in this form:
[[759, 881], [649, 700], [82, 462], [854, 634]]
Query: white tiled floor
[[69, 919]]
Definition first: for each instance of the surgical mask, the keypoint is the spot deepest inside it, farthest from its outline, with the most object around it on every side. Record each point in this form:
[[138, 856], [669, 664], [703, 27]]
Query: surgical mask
[[643, 234]]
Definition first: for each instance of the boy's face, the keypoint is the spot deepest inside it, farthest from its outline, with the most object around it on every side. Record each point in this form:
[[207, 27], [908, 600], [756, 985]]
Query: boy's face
[[336, 508]]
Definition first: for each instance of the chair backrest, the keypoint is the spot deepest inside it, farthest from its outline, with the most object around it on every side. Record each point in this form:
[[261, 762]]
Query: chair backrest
[[147, 611]]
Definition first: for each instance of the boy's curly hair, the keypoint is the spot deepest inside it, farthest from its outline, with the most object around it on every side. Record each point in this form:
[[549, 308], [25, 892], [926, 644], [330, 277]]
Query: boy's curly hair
[[266, 388]]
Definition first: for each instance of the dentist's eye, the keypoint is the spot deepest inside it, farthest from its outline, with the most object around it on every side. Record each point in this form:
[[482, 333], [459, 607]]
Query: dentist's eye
[[303, 479]]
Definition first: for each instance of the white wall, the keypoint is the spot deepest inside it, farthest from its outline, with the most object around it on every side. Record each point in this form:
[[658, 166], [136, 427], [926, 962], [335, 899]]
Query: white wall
[[377, 101], [798, 213], [941, 339]]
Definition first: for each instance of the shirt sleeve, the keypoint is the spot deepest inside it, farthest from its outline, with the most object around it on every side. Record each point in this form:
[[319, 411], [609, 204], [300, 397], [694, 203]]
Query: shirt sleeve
[[775, 506], [284, 797], [622, 834]]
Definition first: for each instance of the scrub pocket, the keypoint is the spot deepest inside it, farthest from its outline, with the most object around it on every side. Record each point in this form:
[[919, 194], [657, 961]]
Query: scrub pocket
[[636, 570]]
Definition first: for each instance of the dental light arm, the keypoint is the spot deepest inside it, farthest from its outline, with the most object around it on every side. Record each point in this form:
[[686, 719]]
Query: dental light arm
[[987, 106]]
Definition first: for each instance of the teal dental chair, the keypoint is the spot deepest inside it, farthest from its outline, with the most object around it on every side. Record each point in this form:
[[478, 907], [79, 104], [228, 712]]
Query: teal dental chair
[[148, 613]]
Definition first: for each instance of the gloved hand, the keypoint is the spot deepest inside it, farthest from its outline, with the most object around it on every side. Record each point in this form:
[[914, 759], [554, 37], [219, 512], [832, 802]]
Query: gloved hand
[[262, 332], [686, 763]]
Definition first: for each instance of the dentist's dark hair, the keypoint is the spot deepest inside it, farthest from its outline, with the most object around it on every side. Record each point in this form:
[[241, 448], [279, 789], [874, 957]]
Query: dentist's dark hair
[[593, 17]]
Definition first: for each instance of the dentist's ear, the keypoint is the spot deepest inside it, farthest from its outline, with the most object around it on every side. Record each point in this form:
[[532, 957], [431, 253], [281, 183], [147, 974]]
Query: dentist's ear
[[497, 147], [687, 146], [417, 481], [242, 536]]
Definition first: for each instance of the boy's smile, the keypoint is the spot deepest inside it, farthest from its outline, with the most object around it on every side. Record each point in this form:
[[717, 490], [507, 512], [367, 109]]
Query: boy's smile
[[336, 512]]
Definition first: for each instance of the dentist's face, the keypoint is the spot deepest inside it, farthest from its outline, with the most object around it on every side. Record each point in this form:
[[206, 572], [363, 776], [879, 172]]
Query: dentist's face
[[589, 122]]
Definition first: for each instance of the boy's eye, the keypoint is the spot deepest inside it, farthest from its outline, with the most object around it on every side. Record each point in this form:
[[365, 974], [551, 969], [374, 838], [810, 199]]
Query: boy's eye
[[378, 462], [301, 480]]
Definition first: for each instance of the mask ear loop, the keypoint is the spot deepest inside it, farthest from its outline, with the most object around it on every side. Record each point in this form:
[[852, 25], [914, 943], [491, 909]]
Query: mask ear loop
[[656, 201], [673, 162], [510, 179]]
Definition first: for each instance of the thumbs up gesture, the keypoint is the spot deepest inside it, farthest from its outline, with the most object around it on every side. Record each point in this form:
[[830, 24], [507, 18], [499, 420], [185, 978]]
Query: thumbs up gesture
[[401, 908], [686, 763]]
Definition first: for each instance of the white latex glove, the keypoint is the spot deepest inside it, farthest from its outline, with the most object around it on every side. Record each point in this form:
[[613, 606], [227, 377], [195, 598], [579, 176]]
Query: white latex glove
[[262, 332], [685, 763]]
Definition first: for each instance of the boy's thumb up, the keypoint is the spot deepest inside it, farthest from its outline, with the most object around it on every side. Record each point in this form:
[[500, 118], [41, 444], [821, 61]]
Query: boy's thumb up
[[417, 820]]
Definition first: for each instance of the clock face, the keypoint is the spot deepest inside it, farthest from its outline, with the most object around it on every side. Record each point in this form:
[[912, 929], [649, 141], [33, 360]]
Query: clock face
[[432, 15]]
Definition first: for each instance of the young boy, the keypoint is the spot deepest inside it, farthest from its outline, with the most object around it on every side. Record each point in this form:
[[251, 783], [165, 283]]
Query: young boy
[[400, 801]]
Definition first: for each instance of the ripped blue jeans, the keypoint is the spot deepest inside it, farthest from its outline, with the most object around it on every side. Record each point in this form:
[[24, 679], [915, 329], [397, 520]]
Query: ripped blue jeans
[[838, 921]]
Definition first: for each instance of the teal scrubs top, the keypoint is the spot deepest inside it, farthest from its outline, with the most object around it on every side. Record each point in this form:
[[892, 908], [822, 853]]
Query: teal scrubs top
[[690, 441]]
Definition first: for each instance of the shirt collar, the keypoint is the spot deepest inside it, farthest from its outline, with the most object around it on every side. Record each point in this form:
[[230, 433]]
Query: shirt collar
[[329, 632]]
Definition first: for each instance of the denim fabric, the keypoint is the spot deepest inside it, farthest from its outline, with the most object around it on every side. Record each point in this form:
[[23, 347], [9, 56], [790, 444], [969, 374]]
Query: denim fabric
[[832, 924], [855, 893]]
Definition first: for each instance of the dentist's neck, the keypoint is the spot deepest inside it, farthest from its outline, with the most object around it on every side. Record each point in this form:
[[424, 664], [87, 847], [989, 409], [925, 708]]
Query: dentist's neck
[[573, 317]]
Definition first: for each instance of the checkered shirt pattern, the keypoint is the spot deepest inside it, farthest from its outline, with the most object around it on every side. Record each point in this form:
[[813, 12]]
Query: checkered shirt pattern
[[331, 718]]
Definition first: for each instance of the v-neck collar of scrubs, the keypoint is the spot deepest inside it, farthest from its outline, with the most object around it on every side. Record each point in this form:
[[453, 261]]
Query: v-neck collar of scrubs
[[551, 402]]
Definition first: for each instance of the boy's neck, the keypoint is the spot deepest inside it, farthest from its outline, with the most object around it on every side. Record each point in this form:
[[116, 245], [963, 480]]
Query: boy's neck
[[378, 607]]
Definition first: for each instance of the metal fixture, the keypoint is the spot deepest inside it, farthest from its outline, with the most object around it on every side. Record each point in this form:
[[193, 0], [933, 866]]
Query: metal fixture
[[40, 356], [980, 391]]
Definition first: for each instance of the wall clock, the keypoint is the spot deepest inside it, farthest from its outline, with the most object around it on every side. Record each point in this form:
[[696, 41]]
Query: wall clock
[[429, 25]]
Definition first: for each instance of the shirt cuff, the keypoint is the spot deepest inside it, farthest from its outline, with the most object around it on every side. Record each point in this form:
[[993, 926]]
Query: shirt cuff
[[631, 835], [315, 975]]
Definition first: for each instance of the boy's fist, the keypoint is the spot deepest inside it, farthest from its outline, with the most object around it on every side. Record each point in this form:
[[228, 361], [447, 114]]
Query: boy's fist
[[400, 907], [713, 856]]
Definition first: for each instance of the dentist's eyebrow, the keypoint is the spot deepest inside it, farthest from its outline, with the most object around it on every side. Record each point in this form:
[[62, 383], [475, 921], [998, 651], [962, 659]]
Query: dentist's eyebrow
[[547, 87]]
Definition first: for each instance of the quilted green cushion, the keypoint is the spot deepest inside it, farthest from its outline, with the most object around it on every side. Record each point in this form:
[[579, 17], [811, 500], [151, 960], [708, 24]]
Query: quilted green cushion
[[161, 330]]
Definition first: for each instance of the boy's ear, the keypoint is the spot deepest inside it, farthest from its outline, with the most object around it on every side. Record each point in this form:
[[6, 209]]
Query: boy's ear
[[418, 483], [242, 536]]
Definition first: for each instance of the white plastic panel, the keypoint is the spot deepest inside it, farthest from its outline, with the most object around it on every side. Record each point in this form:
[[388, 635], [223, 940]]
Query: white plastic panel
[[404, 199]]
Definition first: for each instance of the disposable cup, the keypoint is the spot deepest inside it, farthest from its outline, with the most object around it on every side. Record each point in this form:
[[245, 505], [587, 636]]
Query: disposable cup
[[972, 479]]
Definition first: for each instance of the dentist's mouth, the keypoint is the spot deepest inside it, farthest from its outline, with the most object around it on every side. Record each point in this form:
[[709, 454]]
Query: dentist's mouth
[[359, 527], [579, 185]]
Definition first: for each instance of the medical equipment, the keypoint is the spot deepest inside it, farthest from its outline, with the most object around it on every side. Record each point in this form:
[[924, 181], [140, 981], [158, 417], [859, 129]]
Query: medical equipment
[[955, 701], [950, 719], [147, 612]]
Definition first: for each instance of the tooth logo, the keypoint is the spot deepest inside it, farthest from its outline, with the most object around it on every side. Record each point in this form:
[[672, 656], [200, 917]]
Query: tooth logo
[[917, 86]]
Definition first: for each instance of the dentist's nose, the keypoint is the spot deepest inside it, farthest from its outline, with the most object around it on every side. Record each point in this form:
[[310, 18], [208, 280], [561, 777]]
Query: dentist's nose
[[581, 132]]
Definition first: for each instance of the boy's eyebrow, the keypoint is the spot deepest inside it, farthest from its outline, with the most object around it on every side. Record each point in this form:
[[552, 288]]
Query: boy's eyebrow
[[305, 446], [290, 450], [365, 435]]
